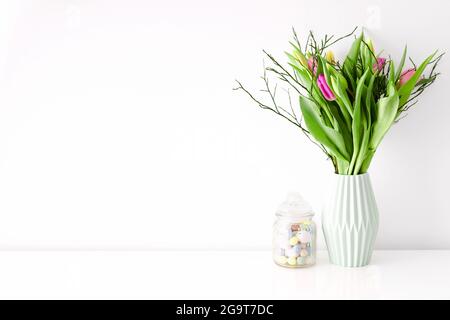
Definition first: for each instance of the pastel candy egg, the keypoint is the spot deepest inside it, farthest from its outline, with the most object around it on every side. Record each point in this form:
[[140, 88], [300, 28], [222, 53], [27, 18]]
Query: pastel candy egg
[[281, 259], [297, 248], [292, 261], [301, 260], [293, 241], [304, 236], [303, 245], [290, 253], [294, 251], [303, 253]]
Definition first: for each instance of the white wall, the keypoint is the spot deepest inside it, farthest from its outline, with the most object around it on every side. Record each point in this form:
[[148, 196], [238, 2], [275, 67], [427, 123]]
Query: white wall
[[119, 128]]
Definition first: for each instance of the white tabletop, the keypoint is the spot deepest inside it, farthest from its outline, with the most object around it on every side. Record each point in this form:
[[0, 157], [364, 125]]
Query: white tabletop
[[217, 275]]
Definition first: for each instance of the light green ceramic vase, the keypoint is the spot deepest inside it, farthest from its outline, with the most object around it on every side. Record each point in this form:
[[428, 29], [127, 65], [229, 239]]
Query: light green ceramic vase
[[350, 220]]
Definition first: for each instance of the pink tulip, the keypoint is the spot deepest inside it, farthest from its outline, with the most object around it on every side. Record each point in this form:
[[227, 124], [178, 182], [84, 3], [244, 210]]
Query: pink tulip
[[323, 86], [312, 65], [379, 65], [405, 76]]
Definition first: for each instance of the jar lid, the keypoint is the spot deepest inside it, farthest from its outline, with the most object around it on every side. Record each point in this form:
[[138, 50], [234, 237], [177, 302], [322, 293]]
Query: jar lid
[[295, 206]]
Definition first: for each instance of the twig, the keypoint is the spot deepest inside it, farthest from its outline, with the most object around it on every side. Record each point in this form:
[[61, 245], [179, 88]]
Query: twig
[[291, 118]]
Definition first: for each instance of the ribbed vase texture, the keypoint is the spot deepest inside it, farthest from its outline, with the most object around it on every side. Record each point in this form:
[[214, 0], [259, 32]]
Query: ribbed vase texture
[[350, 221]]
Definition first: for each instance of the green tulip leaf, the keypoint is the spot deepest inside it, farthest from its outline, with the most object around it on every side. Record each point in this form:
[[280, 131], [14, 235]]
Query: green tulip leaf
[[370, 98], [401, 65], [357, 119], [303, 75], [363, 150], [325, 135], [391, 72], [405, 91], [352, 56], [386, 111], [339, 87]]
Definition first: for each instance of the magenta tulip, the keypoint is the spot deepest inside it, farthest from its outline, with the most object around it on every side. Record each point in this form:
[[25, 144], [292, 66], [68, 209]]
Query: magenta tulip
[[325, 89], [405, 76], [312, 65], [379, 65]]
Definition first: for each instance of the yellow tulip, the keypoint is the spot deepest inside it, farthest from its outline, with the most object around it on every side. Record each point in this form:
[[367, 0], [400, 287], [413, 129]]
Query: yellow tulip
[[330, 57], [301, 58]]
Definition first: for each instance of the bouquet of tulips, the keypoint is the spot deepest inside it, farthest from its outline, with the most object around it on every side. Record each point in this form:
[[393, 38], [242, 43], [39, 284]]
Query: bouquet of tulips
[[347, 107]]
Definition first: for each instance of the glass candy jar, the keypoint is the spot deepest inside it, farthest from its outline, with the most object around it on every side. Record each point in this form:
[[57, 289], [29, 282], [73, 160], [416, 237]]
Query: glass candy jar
[[294, 233]]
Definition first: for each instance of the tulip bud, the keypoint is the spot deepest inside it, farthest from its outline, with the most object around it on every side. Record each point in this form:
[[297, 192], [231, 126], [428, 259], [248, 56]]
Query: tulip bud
[[301, 58], [330, 57], [325, 89], [312, 65], [379, 65], [405, 76]]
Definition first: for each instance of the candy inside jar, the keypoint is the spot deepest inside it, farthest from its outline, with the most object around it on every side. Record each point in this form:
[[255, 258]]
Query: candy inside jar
[[294, 233]]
